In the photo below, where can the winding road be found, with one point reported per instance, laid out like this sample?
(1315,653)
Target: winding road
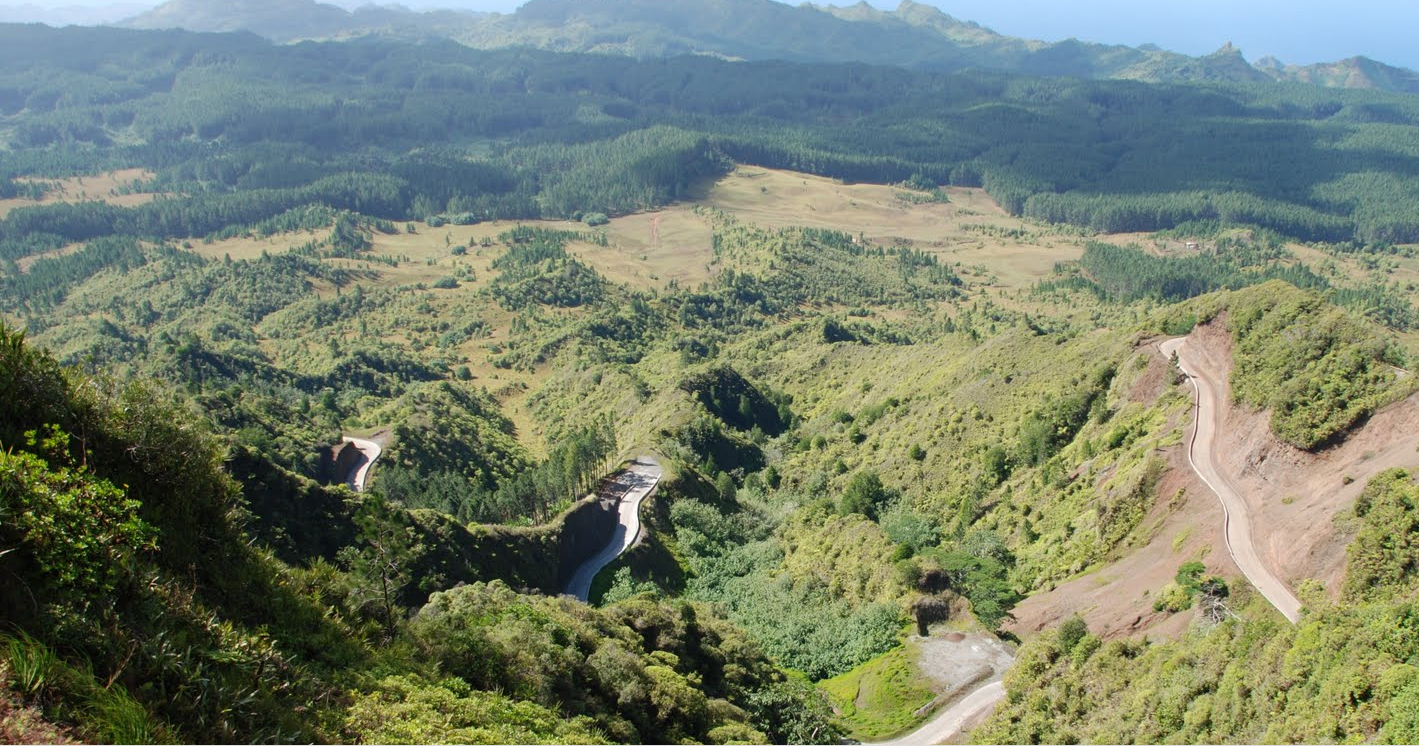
(1236,519)
(360,473)
(954,719)
(1236,523)
(633,485)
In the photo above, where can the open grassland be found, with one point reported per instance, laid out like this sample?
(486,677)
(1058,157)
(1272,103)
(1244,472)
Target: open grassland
(106,187)
(652,249)
(971,229)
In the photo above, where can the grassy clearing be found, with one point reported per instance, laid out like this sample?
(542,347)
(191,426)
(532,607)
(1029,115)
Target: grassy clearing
(880,698)
(104,187)
(971,229)
(652,249)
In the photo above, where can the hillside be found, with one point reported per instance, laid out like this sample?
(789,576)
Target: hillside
(914,35)
(1356,72)
(896,338)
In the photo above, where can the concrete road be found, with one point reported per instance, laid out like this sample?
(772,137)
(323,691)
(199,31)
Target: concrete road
(1236,519)
(952,721)
(633,485)
(361,472)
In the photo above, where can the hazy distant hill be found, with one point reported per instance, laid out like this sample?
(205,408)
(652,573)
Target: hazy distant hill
(1355,72)
(914,35)
(77,15)
(288,20)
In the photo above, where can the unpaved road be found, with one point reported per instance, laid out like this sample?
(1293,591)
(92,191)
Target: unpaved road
(974,707)
(361,472)
(1236,519)
(633,485)
(952,721)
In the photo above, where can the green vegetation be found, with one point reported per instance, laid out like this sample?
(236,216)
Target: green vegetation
(1344,673)
(1317,369)
(1111,156)
(863,433)
(202,636)
(805,617)
(1130,274)
(879,698)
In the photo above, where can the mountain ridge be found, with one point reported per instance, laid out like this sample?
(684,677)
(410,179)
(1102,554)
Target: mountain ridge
(914,35)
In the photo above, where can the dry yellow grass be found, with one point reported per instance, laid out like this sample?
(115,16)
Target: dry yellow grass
(650,249)
(100,187)
(24,263)
(972,229)
(244,248)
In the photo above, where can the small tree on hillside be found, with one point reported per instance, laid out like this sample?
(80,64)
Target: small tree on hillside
(863,495)
(380,562)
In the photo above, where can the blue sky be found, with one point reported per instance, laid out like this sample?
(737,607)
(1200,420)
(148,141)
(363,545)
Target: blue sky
(1297,31)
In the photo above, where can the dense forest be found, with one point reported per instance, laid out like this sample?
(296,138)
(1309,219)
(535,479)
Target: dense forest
(238,131)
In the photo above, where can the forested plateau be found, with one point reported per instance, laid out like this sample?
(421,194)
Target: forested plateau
(890,333)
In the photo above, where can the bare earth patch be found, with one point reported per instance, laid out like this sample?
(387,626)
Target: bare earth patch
(1295,495)
(1117,599)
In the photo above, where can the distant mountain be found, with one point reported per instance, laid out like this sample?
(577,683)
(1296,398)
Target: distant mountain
(71,15)
(289,20)
(914,35)
(1356,72)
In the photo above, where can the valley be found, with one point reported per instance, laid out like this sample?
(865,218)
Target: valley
(369,390)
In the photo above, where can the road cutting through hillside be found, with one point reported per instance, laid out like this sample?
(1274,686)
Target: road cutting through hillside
(967,711)
(633,485)
(1236,519)
(361,472)
(1209,391)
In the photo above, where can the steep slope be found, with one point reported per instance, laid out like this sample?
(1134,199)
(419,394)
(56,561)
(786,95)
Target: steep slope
(141,610)
(1344,673)
(1296,495)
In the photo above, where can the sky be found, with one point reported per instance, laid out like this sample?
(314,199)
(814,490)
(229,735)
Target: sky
(1296,31)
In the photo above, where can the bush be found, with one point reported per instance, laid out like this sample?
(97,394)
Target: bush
(1071,632)
(863,494)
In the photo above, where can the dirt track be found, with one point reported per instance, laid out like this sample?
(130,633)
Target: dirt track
(1237,528)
